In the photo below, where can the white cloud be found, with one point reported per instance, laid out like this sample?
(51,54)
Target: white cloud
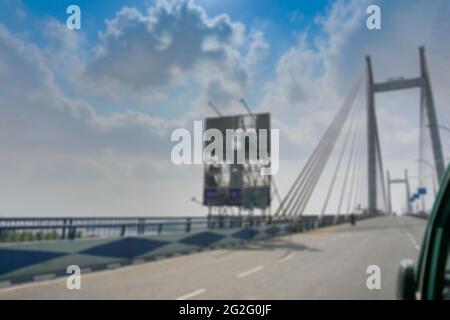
(81,160)
(175,43)
(259,48)
(36,114)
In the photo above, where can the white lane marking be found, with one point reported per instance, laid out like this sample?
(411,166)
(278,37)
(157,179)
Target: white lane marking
(321,243)
(249,272)
(413,241)
(410,236)
(192,294)
(286,258)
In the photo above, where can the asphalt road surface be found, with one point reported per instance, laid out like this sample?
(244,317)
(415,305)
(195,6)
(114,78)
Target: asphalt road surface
(329,263)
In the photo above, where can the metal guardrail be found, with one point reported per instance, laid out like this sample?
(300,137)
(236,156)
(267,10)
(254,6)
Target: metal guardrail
(52,228)
(19,229)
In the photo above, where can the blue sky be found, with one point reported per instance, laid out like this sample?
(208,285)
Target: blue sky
(87,114)
(281,22)
(283,18)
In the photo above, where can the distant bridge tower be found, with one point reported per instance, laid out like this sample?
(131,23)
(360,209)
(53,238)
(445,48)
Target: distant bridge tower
(373,143)
(408,194)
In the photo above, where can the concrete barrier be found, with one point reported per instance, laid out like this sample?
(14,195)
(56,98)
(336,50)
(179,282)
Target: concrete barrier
(26,261)
(21,262)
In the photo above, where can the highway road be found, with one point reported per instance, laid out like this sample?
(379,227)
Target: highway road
(329,263)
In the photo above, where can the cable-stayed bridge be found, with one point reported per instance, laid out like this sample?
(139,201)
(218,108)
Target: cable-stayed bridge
(290,254)
(355,130)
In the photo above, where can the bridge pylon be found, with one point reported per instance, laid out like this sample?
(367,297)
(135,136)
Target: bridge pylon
(374,158)
(404,181)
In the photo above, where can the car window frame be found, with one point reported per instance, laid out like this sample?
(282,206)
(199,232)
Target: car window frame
(433,256)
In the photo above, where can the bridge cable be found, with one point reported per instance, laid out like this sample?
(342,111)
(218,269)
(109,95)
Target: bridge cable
(312,172)
(356,166)
(303,200)
(328,139)
(311,162)
(297,183)
(359,169)
(328,150)
(338,165)
(347,170)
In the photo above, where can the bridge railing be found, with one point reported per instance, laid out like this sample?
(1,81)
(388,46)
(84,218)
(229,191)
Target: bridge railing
(19,229)
(56,228)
